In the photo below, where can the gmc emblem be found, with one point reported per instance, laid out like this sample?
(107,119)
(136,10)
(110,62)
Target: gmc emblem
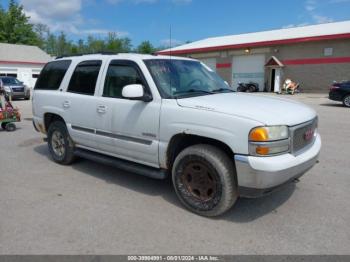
(309,134)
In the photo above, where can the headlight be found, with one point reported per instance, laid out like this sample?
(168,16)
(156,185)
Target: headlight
(269,140)
(7,89)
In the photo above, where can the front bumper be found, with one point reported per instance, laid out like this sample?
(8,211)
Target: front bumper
(258,176)
(335,96)
(16,95)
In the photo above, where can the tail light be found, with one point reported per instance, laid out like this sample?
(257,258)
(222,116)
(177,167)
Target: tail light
(334,87)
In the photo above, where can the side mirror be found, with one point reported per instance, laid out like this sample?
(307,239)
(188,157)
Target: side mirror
(135,92)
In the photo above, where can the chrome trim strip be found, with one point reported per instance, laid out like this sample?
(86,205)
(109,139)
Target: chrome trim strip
(241,158)
(111,135)
(123,137)
(83,129)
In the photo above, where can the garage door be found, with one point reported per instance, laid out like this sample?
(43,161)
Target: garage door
(248,68)
(210,62)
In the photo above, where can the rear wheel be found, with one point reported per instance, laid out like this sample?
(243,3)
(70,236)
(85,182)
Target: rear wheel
(60,144)
(204,180)
(3,125)
(346,101)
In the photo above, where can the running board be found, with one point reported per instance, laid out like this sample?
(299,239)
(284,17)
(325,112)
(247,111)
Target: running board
(122,164)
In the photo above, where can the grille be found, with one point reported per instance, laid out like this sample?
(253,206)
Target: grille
(303,136)
(18,89)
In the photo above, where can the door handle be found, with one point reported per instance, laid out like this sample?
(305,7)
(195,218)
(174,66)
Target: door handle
(66,104)
(101,109)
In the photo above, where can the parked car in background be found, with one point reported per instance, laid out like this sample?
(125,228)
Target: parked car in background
(14,88)
(340,92)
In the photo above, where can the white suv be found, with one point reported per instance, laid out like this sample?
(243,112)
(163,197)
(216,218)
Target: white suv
(160,116)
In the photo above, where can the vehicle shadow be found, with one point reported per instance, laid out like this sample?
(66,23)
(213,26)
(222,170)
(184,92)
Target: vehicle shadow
(333,105)
(245,210)
(249,209)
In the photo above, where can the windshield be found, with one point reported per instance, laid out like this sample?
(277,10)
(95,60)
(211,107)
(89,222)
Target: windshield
(183,78)
(10,81)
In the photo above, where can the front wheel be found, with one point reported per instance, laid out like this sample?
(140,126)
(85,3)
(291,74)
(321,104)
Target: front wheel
(204,179)
(346,101)
(60,144)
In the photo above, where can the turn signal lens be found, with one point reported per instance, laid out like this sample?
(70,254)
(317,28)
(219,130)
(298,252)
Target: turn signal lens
(262,150)
(259,134)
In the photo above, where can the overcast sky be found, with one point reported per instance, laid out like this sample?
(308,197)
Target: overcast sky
(190,19)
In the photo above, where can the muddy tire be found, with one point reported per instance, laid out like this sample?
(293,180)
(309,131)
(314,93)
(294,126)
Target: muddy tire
(205,180)
(60,144)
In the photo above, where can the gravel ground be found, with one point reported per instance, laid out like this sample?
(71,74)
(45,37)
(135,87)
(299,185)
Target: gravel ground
(88,208)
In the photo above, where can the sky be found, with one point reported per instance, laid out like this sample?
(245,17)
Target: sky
(189,20)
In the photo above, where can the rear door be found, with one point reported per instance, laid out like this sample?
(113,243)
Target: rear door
(48,95)
(80,102)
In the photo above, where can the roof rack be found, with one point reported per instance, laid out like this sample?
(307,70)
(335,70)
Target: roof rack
(82,54)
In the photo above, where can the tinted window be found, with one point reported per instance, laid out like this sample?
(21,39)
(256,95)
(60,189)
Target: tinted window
(10,81)
(84,78)
(52,75)
(119,76)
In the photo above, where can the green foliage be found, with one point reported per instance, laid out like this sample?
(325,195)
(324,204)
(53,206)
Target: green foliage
(15,27)
(146,48)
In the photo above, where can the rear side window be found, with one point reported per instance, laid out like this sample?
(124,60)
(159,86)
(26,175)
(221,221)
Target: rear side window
(84,78)
(52,75)
(119,76)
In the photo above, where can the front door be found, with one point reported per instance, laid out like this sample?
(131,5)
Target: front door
(127,128)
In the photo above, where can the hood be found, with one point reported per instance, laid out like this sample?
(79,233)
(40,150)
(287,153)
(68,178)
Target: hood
(264,109)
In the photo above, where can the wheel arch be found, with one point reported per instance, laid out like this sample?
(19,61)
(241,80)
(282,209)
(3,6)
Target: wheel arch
(49,118)
(181,141)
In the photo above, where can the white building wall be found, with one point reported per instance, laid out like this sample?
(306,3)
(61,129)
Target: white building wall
(26,73)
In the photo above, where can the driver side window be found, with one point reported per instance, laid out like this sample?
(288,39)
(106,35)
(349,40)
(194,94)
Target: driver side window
(119,76)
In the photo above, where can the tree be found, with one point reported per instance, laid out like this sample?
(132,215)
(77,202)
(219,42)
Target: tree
(51,44)
(146,48)
(16,28)
(42,31)
(2,19)
(116,44)
(63,46)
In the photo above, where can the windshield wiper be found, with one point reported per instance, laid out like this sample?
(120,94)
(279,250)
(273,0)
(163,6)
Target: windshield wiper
(222,90)
(193,91)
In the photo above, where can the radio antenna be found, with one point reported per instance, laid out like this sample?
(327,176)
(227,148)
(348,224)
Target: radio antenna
(170,43)
(170,40)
